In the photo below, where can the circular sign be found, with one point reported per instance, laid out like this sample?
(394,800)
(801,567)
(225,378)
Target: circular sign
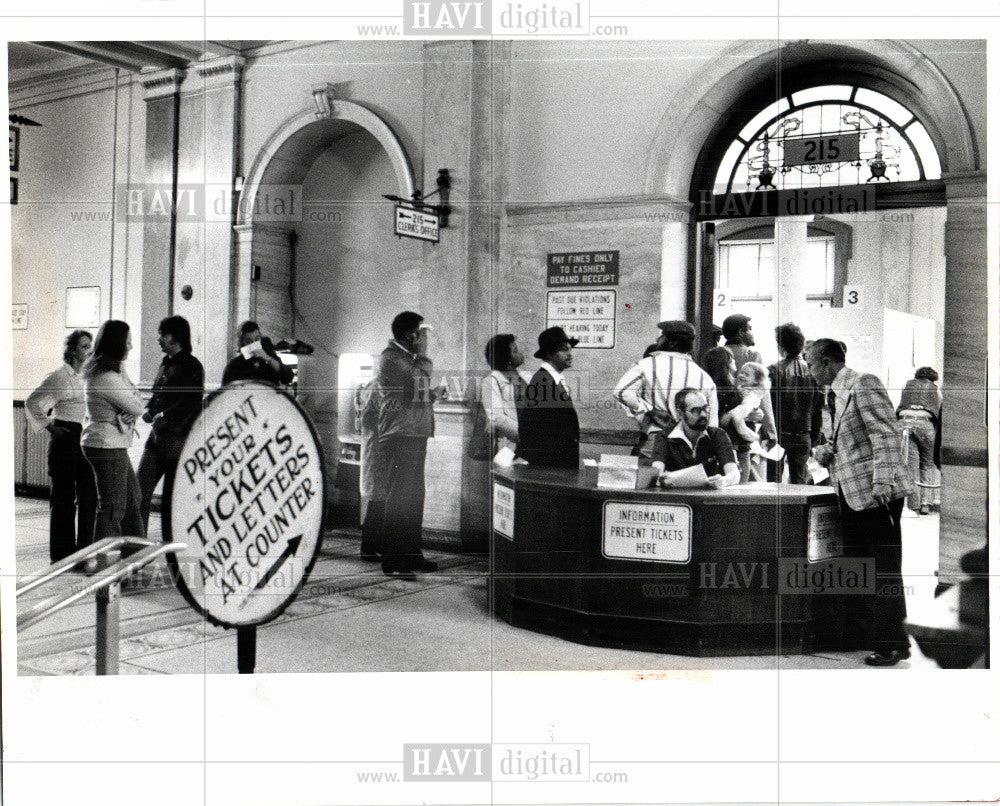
(248,500)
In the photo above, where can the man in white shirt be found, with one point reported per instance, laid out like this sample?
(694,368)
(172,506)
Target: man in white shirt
(57,406)
(648,389)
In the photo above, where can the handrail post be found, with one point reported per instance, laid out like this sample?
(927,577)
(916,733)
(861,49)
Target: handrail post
(108,601)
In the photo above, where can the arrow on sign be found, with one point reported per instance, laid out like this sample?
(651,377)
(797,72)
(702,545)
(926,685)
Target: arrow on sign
(290,549)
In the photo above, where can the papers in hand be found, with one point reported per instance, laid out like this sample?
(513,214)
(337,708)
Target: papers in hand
(693,476)
(816,471)
(775,454)
(504,457)
(252,349)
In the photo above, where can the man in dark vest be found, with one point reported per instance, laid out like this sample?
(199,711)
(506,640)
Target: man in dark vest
(547,423)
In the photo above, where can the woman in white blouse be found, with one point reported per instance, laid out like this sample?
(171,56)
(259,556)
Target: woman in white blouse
(501,389)
(113,404)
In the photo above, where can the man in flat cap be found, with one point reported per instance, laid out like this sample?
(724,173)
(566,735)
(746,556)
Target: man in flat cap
(648,389)
(547,423)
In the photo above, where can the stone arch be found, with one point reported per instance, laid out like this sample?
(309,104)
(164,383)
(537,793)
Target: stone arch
(698,114)
(287,154)
(285,159)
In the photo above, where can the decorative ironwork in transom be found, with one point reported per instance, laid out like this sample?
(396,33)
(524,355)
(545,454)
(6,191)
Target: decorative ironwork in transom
(828,136)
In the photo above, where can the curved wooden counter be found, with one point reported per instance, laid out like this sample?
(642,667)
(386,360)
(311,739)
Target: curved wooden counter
(734,571)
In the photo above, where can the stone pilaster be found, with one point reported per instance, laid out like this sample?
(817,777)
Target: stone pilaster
(161,91)
(964,454)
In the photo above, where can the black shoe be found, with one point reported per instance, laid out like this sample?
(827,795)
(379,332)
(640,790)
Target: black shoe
(887,658)
(409,576)
(426,566)
(371,557)
(925,509)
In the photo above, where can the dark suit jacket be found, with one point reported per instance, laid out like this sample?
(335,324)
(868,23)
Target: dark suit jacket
(548,426)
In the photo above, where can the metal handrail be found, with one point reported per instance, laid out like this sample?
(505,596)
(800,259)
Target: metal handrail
(110,575)
(89,552)
(104,585)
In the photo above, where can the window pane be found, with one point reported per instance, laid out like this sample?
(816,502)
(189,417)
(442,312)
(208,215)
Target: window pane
(818,266)
(829,92)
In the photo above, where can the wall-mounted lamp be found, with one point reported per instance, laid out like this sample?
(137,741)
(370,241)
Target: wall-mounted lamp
(419,201)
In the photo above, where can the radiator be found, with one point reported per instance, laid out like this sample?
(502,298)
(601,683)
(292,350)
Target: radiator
(30,452)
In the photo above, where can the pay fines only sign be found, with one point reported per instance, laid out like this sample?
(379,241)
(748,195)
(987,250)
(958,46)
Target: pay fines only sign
(248,500)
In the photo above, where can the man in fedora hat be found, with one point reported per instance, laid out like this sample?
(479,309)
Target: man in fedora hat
(648,389)
(547,423)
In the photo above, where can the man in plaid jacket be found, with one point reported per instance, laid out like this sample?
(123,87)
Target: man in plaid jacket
(867,471)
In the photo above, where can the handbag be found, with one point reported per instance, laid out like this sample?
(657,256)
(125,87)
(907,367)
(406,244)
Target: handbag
(481,443)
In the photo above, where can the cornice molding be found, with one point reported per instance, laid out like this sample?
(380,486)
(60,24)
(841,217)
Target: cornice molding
(161,83)
(649,210)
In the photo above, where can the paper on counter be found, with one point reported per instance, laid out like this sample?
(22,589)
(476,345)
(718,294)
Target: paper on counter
(619,460)
(693,476)
(617,471)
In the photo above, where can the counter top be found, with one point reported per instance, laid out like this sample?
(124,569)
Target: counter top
(575,483)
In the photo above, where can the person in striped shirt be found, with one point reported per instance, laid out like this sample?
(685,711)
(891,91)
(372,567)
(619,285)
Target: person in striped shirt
(647,390)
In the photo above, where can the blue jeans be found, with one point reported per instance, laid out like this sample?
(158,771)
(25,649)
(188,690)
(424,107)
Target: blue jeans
(117,492)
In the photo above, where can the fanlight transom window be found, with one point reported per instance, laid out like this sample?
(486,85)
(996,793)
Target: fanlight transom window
(828,136)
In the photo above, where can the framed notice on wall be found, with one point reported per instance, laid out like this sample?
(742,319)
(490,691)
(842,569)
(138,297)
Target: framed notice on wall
(19,316)
(587,315)
(83,306)
(14,144)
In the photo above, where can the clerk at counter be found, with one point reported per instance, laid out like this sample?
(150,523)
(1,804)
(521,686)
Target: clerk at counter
(694,442)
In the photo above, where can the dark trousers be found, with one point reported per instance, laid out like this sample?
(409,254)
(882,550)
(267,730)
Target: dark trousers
(404,503)
(875,534)
(73,500)
(371,528)
(797,448)
(159,461)
(118,494)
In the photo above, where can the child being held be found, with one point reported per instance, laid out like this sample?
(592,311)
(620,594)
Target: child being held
(743,420)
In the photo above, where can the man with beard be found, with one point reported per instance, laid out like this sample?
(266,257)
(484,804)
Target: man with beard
(738,331)
(693,441)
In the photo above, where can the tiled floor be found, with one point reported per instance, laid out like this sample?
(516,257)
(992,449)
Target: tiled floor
(350,618)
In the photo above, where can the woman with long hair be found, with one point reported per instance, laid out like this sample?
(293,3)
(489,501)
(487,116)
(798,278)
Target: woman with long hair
(112,407)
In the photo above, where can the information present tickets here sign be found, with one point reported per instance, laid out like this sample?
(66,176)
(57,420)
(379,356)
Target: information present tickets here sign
(248,500)
(659,533)
(825,539)
(503,510)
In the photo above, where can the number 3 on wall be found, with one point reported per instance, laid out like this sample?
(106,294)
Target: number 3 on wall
(852,295)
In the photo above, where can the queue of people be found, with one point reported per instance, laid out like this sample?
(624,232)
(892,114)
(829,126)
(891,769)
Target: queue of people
(90,408)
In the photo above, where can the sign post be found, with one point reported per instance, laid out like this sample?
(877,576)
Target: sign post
(248,500)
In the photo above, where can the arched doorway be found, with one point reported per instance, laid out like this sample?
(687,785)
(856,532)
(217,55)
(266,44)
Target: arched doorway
(698,129)
(317,273)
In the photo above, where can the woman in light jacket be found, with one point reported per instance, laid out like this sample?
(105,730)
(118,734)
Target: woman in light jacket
(112,407)
(500,390)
